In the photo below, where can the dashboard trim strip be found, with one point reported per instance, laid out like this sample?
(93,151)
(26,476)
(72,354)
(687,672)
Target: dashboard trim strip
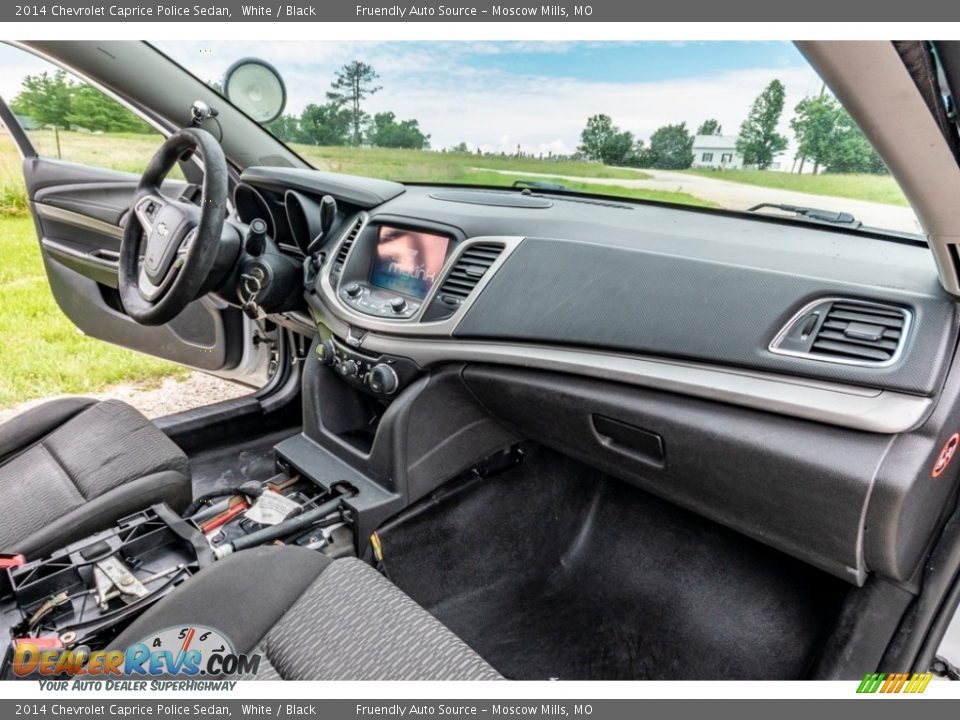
(849,406)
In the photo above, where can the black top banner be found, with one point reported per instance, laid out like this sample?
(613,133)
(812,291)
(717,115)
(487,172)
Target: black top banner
(739,11)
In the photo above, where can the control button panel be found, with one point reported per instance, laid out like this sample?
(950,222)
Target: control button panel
(378,302)
(377,374)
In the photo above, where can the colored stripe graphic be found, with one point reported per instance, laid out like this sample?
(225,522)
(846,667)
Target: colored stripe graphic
(914,683)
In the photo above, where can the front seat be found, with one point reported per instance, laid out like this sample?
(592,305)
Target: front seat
(72,467)
(312,618)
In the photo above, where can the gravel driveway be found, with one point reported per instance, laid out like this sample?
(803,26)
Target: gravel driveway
(169,397)
(740,196)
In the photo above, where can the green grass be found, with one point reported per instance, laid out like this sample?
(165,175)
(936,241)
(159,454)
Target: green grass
(42,353)
(13,195)
(462,168)
(444,167)
(873,188)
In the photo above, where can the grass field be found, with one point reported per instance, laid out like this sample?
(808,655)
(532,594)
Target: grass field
(873,188)
(42,353)
(439,167)
(461,168)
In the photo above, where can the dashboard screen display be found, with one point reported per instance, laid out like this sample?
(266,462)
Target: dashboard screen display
(408,261)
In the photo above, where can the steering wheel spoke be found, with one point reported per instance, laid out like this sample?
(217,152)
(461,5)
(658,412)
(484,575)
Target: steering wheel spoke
(146,209)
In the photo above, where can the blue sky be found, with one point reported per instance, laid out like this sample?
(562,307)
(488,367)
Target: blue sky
(632,62)
(496,95)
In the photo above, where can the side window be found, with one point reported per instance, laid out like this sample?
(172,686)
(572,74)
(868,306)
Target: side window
(66,118)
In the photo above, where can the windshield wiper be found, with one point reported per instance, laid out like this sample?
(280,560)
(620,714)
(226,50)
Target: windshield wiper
(816,214)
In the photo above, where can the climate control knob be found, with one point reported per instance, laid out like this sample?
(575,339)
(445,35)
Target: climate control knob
(353,289)
(383,379)
(349,368)
(398,304)
(326,352)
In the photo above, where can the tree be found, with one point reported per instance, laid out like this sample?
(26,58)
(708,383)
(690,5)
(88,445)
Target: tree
(604,142)
(850,151)
(327,124)
(759,142)
(353,84)
(827,135)
(384,131)
(286,128)
(814,125)
(671,148)
(460,148)
(92,110)
(45,98)
(710,127)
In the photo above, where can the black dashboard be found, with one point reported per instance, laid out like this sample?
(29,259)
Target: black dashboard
(776,317)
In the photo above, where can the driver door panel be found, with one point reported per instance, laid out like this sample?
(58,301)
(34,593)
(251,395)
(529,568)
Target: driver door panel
(79,212)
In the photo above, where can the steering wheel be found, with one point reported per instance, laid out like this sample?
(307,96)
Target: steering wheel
(178,240)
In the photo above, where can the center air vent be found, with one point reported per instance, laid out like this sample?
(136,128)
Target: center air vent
(469,269)
(348,243)
(852,332)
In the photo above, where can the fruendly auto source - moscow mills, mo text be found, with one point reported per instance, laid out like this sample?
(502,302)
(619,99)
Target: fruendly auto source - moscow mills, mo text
(400,12)
(293,10)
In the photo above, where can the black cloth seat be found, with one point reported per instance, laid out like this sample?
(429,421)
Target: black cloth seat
(71,467)
(310,618)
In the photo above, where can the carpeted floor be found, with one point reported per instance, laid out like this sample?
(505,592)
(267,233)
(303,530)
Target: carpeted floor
(554,571)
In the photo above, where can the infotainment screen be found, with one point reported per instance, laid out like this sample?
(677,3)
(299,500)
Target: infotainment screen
(408,261)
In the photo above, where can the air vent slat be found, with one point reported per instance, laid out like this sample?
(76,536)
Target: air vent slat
(347,244)
(470,268)
(890,345)
(851,332)
(865,317)
(871,310)
(851,349)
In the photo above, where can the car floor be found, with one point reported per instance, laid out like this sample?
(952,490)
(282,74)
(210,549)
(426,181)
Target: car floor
(552,570)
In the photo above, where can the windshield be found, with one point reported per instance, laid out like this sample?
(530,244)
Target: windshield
(733,125)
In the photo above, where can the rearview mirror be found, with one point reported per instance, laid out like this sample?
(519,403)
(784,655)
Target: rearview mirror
(255,86)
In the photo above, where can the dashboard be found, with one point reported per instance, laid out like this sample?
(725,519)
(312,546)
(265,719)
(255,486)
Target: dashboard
(746,311)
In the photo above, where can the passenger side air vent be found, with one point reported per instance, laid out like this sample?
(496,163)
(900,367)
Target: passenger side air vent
(348,243)
(463,277)
(851,332)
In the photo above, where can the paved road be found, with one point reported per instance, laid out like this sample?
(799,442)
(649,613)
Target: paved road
(738,196)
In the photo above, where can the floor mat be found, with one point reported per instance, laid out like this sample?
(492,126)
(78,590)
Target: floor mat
(555,571)
(230,466)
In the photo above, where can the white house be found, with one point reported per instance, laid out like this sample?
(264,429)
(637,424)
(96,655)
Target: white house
(718,152)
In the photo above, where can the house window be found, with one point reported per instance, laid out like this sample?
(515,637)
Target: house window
(708,157)
(726,158)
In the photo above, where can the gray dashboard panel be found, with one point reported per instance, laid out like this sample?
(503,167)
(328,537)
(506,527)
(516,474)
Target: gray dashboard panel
(672,282)
(360,191)
(631,299)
